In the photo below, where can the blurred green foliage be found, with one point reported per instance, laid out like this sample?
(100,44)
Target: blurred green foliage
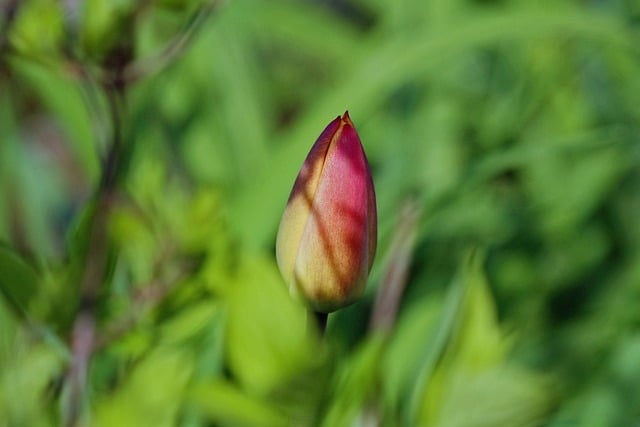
(513,125)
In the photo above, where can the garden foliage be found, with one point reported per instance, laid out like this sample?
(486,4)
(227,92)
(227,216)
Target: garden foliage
(147,150)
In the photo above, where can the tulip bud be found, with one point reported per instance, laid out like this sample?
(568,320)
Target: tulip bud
(328,233)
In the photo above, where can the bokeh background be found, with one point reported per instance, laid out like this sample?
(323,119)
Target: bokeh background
(503,140)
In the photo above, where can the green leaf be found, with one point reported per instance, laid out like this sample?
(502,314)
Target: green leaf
(152,393)
(414,342)
(38,29)
(226,405)
(18,280)
(64,99)
(24,378)
(105,24)
(473,384)
(269,336)
(356,381)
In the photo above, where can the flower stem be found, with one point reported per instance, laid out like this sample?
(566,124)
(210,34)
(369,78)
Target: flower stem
(321,321)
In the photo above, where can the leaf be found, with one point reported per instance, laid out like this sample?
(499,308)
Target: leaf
(24,379)
(413,342)
(269,338)
(64,100)
(226,405)
(152,393)
(105,23)
(39,29)
(434,348)
(18,280)
(8,331)
(473,383)
(357,377)
(192,323)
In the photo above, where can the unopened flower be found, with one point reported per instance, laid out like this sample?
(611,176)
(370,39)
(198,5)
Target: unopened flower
(328,233)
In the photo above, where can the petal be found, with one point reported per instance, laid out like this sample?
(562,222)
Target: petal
(334,255)
(300,201)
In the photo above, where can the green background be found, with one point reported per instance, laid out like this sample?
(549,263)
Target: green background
(507,129)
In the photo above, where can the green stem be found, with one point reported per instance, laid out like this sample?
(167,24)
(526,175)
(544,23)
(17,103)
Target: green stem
(96,262)
(321,321)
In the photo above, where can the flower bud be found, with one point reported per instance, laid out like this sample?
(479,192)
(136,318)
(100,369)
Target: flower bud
(328,233)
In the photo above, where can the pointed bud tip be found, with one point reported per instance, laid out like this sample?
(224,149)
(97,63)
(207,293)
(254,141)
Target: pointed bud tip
(345,118)
(328,233)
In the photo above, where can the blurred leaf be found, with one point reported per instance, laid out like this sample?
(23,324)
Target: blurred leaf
(238,108)
(105,24)
(61,95)
(395,61)
(314,30)
(8,330)
(19,282)
(191,323)
(473,384)
(228,406)
(432,350)
(269,338)
(356,382)
(416,334)
(135,242)
(38,29)
(31,193)
(24,379)
(151,394)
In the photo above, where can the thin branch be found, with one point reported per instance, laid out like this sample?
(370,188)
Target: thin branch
(120,73)
(175,48)
(391,289)
(83,334)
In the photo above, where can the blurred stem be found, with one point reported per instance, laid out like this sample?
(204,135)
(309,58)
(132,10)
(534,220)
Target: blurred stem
(121,71)
(176,47)
(8,10)
(83,335)
(321,321)
(391,289)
